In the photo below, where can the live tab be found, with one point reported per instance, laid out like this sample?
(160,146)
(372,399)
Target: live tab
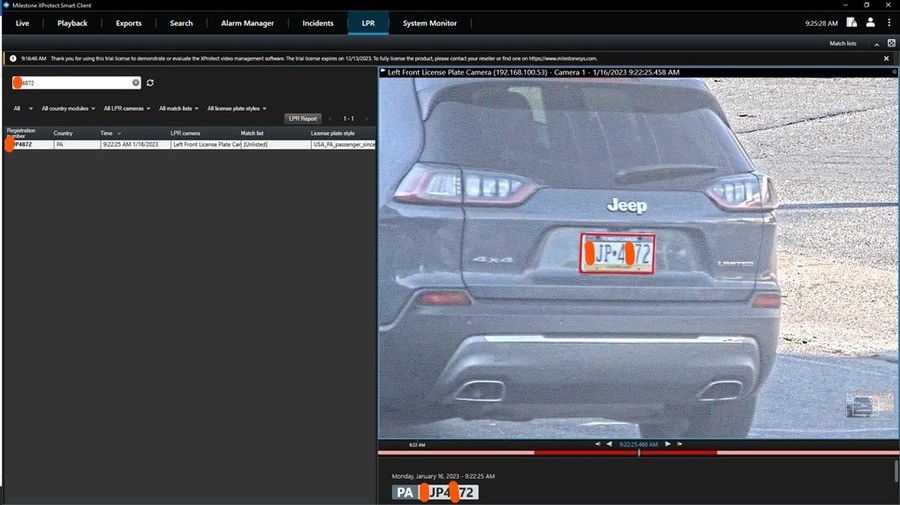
(22,23)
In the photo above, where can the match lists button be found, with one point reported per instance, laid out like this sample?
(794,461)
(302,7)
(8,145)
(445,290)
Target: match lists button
(303,118)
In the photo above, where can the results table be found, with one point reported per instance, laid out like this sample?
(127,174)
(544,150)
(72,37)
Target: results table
(193,144)
(189,138)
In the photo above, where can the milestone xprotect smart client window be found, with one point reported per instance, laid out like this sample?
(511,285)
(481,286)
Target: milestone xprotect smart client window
(394,255)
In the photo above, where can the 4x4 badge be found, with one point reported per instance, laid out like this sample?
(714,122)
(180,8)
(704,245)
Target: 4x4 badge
(486,259)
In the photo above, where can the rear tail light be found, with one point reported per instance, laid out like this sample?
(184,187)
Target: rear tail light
(450,186)
(454,297)
(426,184)
(766,301)
(749,192)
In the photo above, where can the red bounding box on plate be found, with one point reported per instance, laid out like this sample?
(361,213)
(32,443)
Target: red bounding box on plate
(617,253)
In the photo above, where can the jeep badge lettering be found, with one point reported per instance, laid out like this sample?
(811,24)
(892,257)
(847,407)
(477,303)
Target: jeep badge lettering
(623,206)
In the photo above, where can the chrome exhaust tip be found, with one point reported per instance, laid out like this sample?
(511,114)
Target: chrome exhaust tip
(721,390)
(481,391)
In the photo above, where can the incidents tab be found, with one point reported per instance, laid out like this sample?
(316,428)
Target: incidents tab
(319,23)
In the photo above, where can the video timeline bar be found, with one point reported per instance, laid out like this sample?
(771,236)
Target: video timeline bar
(641,453)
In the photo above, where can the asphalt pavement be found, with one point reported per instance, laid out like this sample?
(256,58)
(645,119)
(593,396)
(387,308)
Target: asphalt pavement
(805,397)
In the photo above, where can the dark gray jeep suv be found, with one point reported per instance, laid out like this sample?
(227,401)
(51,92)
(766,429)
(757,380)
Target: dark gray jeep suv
(572,247)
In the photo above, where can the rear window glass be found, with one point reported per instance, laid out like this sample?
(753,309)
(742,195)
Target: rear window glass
(583,135)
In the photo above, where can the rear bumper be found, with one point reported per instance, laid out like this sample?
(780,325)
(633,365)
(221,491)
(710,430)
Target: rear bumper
(538,369)
(574,357)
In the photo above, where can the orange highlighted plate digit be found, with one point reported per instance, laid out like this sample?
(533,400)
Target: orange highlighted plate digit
(589,253)
(17,82)
(629,253)
(453,488)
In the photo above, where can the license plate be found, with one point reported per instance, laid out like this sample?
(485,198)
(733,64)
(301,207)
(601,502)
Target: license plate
(617,253)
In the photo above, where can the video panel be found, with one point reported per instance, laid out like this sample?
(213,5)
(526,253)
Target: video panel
(605,257)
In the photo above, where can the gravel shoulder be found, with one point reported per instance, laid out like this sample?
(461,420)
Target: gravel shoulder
(828,140)
(832,307)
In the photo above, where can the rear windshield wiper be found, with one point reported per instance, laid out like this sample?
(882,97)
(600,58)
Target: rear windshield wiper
(647,173)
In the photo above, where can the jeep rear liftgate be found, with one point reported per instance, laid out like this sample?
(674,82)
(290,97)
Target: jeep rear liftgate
(543,164)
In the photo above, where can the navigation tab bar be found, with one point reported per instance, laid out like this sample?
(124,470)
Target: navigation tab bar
(177,23)
(453,22)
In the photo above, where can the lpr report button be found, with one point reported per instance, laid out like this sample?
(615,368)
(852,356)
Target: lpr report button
(303,118)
